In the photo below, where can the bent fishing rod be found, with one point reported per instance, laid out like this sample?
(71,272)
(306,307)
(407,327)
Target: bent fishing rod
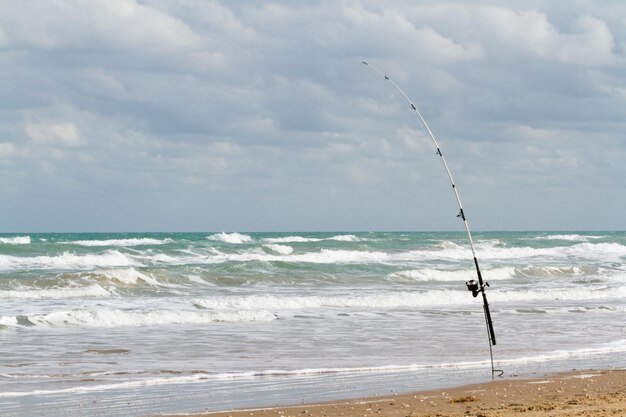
(473,286)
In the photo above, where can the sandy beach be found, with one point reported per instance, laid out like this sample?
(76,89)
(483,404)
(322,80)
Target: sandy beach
(576,393)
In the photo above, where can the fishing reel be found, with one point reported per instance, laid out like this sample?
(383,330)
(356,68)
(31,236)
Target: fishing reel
(476,288)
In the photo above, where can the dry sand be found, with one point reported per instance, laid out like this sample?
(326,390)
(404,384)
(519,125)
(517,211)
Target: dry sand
(586,393)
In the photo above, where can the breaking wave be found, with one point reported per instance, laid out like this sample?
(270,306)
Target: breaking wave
(17,240)
(344,238)
(570,237)
(554,271)
(329,256)
(56,293)
(120,318)
(294,302)
(272,252)
(489,251)
(291,239)
(399,299)
(300,239)
(126,276)
(67,260)
(429,274)
(235,238)
(502,273)
(275,249)
(120,242)
(557,294)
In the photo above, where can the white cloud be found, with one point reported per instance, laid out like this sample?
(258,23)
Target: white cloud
(488,29)
(215,102)
(391,29)
(528,29)
(590,43)
(106,23)
(129,22)
(433,44)
(64,134)
(216,16)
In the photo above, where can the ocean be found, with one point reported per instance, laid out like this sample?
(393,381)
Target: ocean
(131,324)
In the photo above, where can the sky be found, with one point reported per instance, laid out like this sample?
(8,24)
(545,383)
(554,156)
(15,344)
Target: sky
(200,115)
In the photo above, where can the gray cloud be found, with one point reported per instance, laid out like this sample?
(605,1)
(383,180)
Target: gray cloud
(207,115)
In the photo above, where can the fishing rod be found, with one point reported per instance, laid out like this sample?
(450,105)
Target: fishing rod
(472,285)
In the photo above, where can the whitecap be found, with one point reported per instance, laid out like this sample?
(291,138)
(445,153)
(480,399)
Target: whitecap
(120,242)
(447,244)
(235,238)
(278,249)
(302,239)
(324,256)
(583,250)
(329,256)
(344,238)
(17,240)
(127,276)
(67,260)
(291,239)
(569,237)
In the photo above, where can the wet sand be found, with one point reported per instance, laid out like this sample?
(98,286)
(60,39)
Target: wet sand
(576,393)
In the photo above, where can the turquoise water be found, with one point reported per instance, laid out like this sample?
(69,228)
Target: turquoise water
(172,322)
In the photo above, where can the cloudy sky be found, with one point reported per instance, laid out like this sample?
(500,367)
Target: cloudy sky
(194,115)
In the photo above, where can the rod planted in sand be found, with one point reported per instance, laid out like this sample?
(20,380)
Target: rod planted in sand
(475,287)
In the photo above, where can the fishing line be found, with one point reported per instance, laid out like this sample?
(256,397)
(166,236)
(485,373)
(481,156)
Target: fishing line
(475,287)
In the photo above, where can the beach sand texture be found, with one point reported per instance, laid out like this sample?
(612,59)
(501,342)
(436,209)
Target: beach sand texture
(586,393)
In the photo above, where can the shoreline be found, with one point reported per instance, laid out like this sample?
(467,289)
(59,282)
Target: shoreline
(575,393)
